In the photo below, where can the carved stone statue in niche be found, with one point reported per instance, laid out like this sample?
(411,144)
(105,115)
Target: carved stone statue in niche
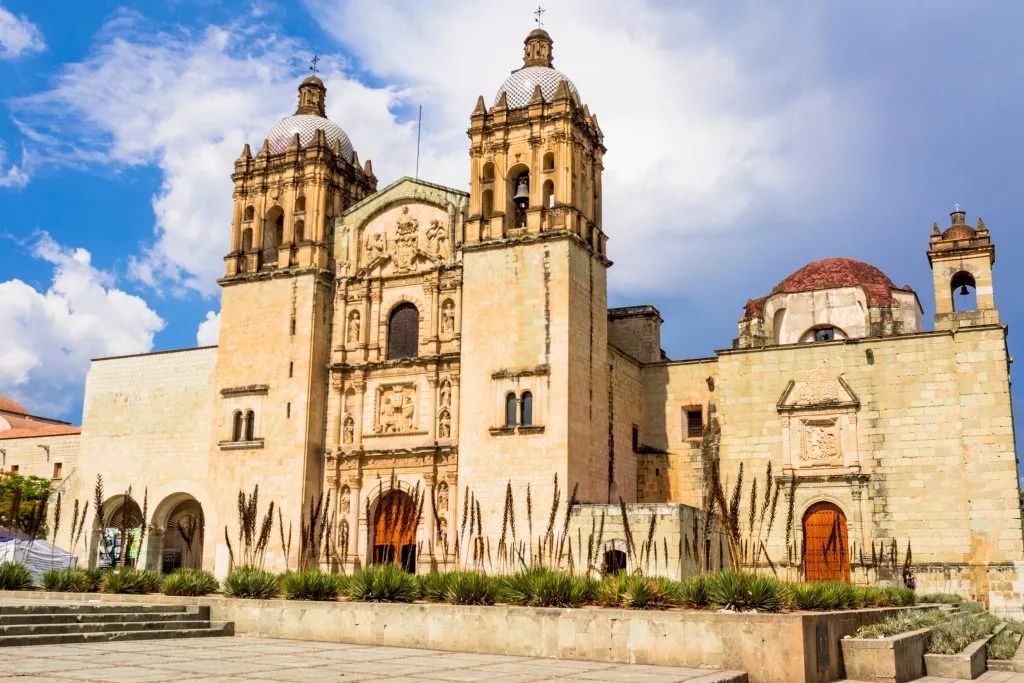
(446,394)
(444,427)
(437,240)
(343,533)
(348,432)
(442,523)
(448,317)
(442,497)
(345,498)
(406,239)
(353,326)
(820,442)
(397,410)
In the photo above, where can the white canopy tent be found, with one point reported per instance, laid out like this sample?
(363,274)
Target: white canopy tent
(38,555)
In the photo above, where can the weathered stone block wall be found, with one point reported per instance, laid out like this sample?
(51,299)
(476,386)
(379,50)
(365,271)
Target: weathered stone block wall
(146,424)
(36,456)
(931,457)
(669,470)
(625,409)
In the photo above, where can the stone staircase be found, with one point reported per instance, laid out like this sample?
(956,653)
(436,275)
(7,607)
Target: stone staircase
(43,623)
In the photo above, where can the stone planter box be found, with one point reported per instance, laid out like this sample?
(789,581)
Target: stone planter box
(966,665)
(771,648)
(895,659)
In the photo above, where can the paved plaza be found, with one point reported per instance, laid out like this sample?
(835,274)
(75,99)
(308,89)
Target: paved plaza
(261,659)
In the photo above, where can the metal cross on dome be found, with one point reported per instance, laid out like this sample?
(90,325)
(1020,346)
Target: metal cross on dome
(312,64)
(538,14)
(956,207)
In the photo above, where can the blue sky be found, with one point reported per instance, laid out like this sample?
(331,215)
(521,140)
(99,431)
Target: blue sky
(744,141)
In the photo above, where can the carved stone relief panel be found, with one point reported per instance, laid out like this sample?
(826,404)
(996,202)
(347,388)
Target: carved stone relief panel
(818,416)
(396,409)
(821,441)
(405,238)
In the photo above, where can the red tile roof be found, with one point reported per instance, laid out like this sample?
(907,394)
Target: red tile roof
(833,273)
(9,405)
(23,425)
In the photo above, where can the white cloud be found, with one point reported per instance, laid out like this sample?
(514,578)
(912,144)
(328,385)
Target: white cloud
(208,333)
(708,123)
(186,103)
(50,336)
(13,175)
(18,35)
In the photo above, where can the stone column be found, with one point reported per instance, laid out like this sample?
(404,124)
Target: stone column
(430,478)
(355,505)
(435,311)
(458,311)
(336,404)
(432,399)
(456,408)
(374,320)
(360,409)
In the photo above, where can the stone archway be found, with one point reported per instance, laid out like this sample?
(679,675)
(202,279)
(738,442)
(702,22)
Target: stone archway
(183,537)
(394,530)
(120,513)
(826,543)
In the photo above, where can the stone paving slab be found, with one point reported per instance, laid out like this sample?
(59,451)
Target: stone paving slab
(268,660)
(987,677)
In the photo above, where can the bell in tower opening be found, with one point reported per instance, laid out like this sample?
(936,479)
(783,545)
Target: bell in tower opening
(521,199)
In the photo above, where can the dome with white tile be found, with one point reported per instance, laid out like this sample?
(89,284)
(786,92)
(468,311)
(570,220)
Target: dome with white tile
(306,125)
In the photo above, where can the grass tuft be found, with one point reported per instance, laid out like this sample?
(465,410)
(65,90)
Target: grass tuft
(190,582)
(313,585)
(126,580)
(254,584)
(73,580)
(15,576)
(383,583)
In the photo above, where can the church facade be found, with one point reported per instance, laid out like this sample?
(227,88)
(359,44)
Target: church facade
(423,342)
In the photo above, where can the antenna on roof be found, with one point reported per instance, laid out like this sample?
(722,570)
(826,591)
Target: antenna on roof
(419,126)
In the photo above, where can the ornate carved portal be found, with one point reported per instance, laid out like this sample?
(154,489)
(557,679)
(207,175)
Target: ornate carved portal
(819,426)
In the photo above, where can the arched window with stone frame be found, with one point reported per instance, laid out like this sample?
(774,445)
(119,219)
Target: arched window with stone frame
(964,291)
(403,332)
(237,425)
(511,408)
(526,409)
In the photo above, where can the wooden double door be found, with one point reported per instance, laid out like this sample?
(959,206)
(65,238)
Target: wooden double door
(826,544)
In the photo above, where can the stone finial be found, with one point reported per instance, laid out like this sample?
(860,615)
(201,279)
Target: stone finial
(355,158)
(368,168)
(265,150)
(336,146)
(981,224)
(246,152)
(502,101)
(562,91)
(296,142)
(480,107)
(935,229)
(538,96)
(538,49)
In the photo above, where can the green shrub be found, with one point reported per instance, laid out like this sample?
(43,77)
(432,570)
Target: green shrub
(313,585)
(726,590)
(901,623)
(253,584)
(473,588)
(765,593)
(939,598)
(836,595)
(72,580)
(434,586)
(133,581)
(190,582)
(903,597)
(1004,645)
(952,636)
(693,592)
(15,576)
(383,583)
(543,587)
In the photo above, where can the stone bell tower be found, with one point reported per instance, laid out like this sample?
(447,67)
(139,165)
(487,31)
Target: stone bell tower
(277,293)
(961,257)
(534,337)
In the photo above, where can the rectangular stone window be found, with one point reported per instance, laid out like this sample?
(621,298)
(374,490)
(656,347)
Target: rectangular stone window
(694,427)
(14,469)
(57,470)
(636,438)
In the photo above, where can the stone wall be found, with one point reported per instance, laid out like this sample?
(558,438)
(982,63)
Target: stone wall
(146,424)
(40,456)
(910,436)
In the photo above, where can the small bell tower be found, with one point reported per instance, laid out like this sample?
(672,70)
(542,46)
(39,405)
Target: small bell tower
(961,257)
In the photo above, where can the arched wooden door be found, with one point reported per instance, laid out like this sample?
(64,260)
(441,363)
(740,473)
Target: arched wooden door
(394,530)
(826,544)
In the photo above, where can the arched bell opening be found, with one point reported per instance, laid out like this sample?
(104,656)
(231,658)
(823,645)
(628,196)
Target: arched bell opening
(518,194)
(964,291)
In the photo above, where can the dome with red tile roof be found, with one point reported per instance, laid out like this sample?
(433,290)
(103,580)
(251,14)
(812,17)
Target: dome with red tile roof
(9,405)
(834,273)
